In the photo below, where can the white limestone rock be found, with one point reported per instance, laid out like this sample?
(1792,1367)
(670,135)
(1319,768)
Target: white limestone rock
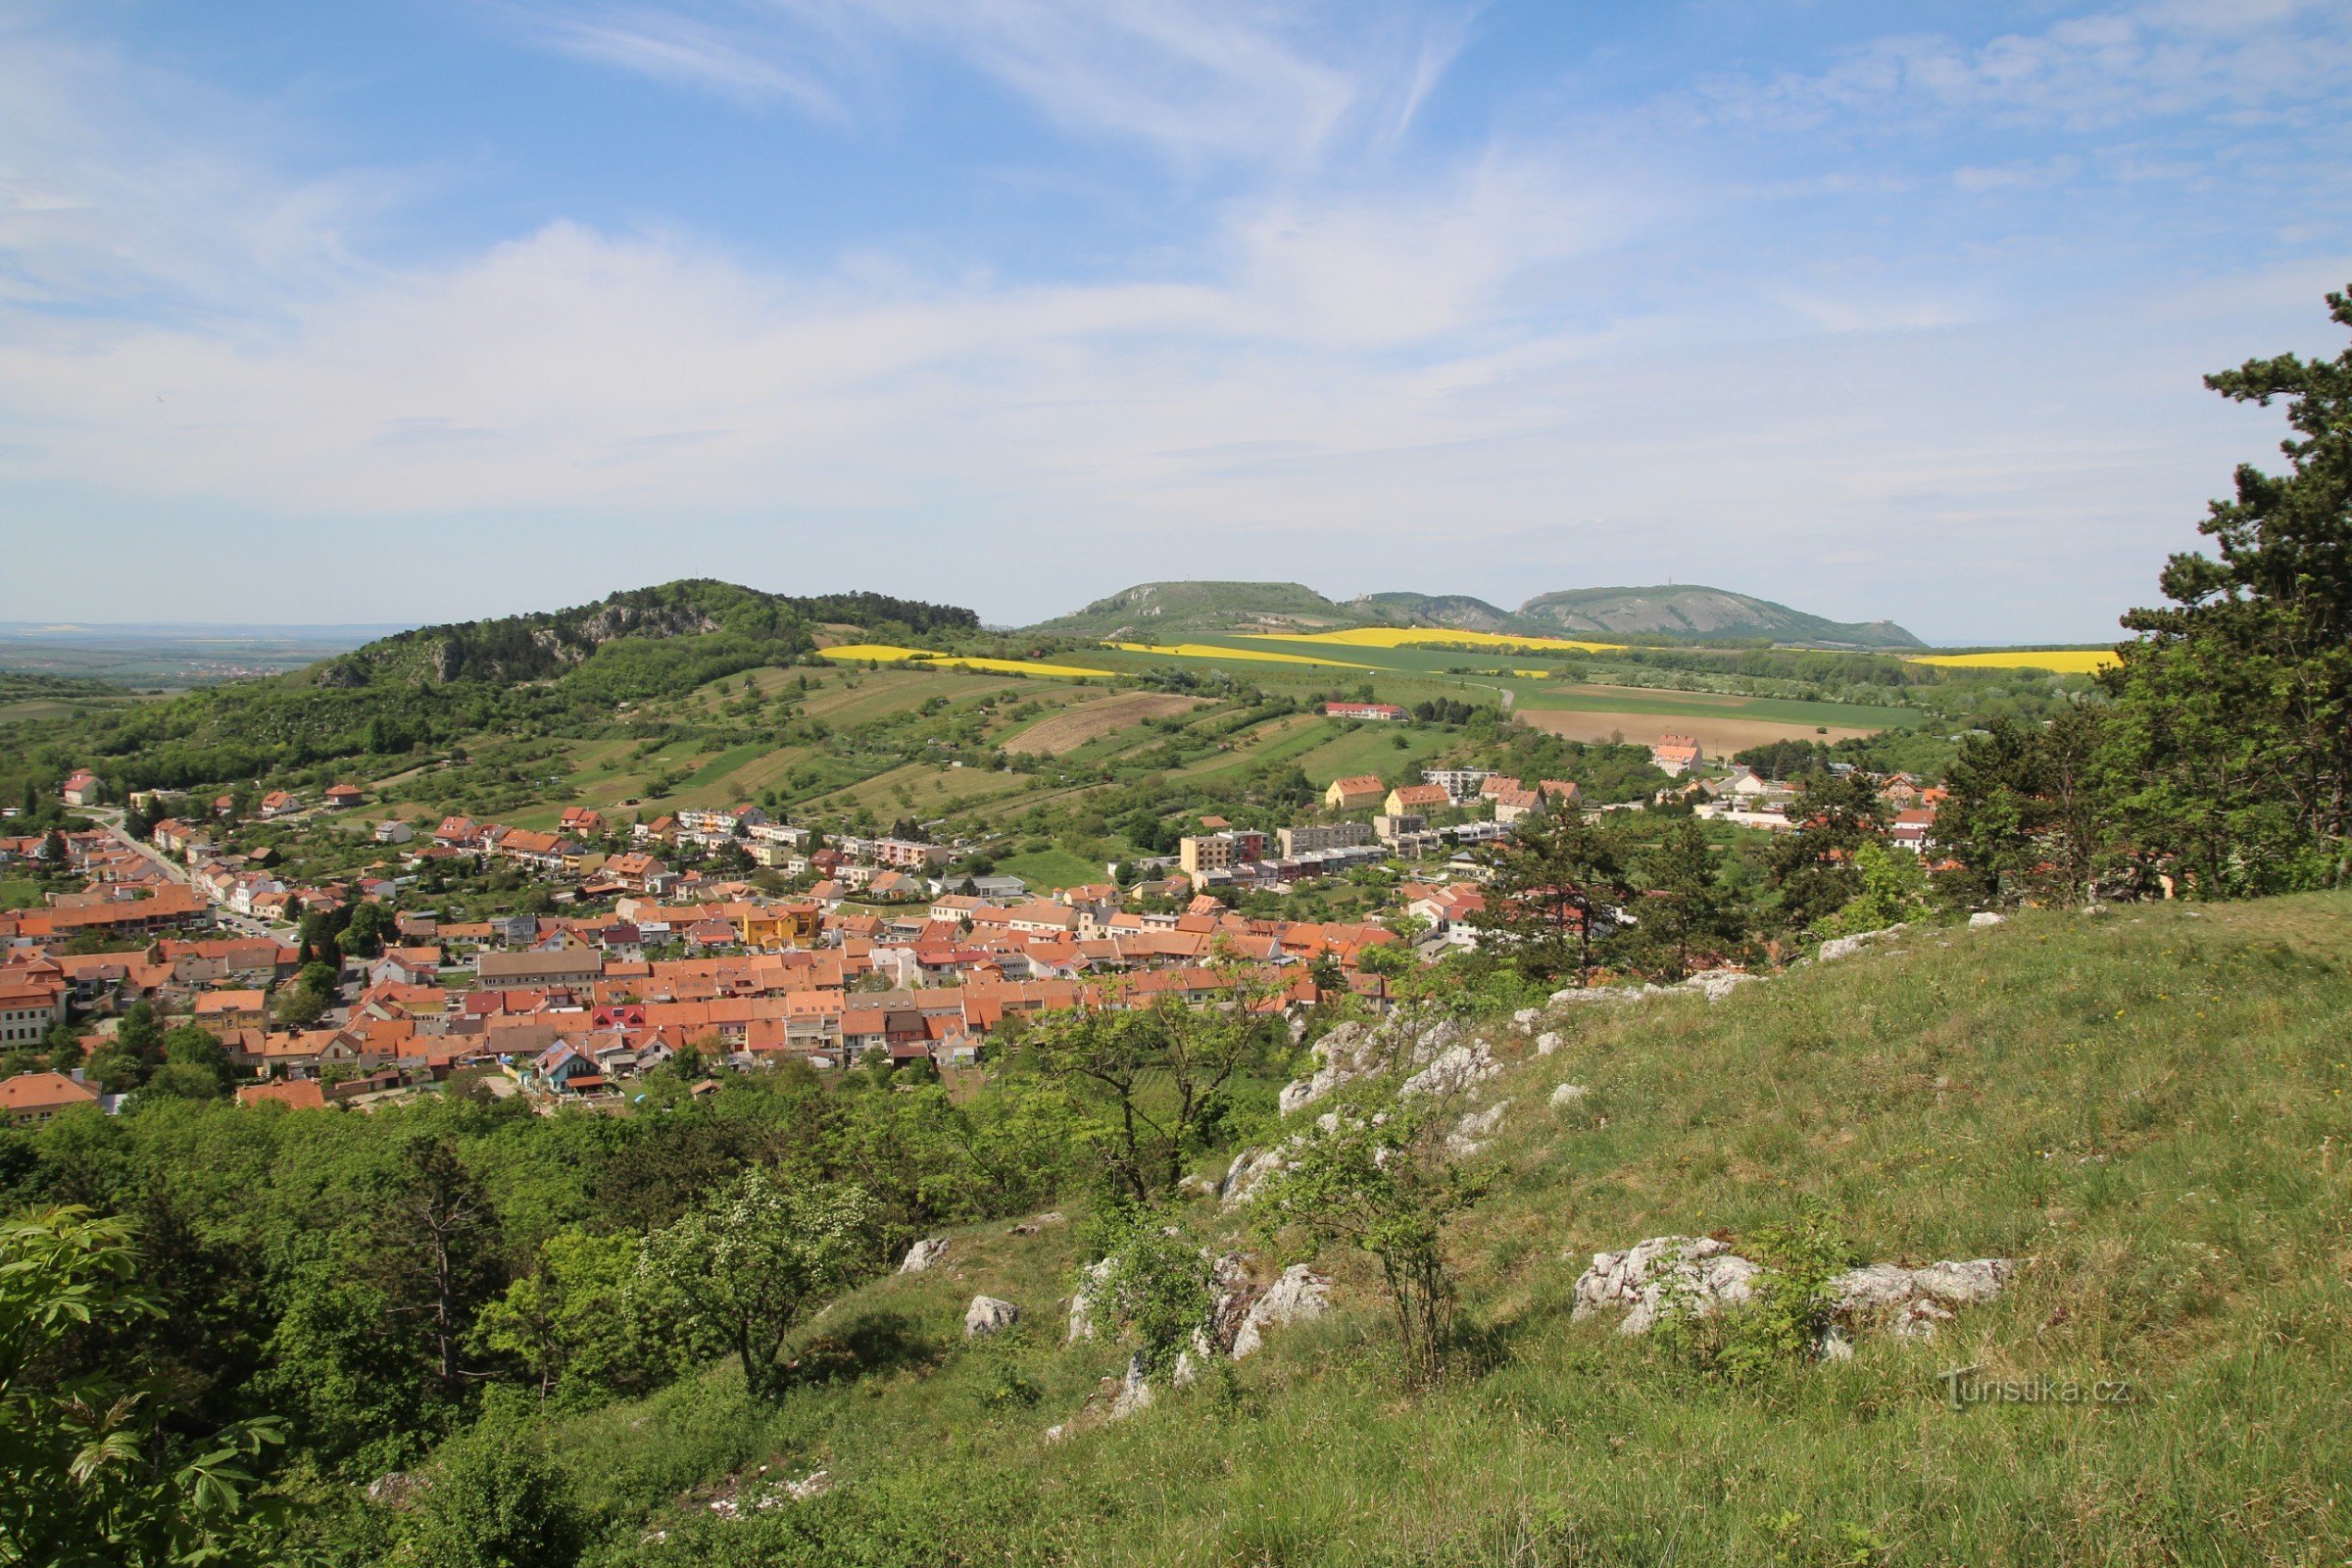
(1696,1274)
(924,1254)
(1135,1391)
(1348,1053)
(1470,1134)
(1703,1276)
(1250,1167)
(1549,1042)
(1082,1305)
(1912,1301)
(986,1316)
(1568,1095)
(1846,947)
(1454,1070)
(1717,983)
(1300,1296)
(1985,917)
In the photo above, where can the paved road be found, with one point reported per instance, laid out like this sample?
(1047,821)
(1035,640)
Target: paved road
(109,817)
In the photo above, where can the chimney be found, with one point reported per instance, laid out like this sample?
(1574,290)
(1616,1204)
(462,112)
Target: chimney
(77,1075)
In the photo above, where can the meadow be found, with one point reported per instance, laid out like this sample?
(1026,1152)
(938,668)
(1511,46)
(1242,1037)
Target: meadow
(2147,1108)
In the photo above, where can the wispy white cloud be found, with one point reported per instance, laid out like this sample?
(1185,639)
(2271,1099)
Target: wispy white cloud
(1197,79)
(2080,72)
(1500,366)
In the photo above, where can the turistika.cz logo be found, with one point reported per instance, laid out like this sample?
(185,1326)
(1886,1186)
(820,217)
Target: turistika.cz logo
(1963,1388)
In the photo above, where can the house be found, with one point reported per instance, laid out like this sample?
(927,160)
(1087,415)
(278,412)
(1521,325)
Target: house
(31,1005)
(83,789)
(1354,793)
(1387,713)
(572,966)
(342,797)
(567,1071)
(392,830)
(1513,803)
(276,804)
(1913,828)
(1407,798)
(581,822)
(220,1010)
(1676,754)
(633,868)
(31,1098)
(545,851)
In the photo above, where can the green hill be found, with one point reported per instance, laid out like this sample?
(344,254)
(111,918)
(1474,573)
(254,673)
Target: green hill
(2148,1110)
(1164,610)
(1458,611)
(1167,611)
(697,616)
(1703,614)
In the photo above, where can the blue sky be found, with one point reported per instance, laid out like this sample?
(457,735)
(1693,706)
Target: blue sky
(431,310)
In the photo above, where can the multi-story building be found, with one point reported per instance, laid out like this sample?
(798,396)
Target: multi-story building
(1458,783)
(1220,851)
(908,854)
(1298,840)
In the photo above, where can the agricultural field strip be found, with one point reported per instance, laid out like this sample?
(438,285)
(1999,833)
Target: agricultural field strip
(1436,636)
(1222,651)
(2057,660)
(891,653)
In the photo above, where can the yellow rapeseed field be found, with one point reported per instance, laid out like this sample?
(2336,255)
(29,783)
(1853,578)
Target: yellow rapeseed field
(1245,655)
(1419,636)
(888,654)
(2058,660)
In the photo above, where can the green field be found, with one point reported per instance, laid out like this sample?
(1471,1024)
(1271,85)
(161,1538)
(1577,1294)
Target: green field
(1047,869)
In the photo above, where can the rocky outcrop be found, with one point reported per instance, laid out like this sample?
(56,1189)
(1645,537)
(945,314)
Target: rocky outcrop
(1135,1391)
(1470,1134)
(1355,1050)
(1911,1302)
(923,1254)
(986,1316)
(1694,1274)
(1300,1296)
(1249,1168)
(1454,1070)
(1985,917)
(1082,1305)
(1714,985)
(1412,1044)
(1568,1095)
(1700,1275)
(1846,947)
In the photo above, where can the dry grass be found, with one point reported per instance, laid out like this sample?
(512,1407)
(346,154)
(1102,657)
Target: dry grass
(1074,727)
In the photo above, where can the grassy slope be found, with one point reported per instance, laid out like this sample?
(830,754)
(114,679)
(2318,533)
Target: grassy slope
(2152,1107)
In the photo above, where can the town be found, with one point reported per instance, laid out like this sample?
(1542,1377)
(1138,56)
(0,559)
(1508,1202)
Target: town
(882,950)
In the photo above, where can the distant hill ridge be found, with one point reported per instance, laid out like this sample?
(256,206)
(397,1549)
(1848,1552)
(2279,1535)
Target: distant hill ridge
(699,619)
(1682,611)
